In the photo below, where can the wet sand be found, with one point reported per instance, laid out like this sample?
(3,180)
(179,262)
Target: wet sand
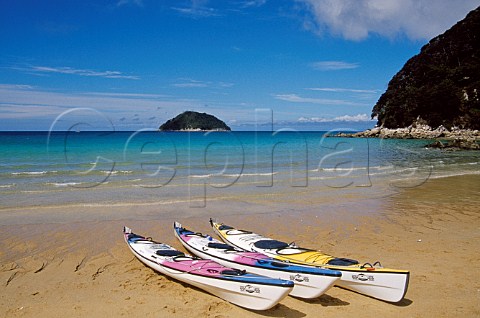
(58,262)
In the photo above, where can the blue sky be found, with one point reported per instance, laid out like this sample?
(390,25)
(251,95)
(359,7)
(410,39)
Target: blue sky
(133,64)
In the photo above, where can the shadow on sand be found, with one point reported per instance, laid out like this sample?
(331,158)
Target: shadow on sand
(280,310)
(403,303)
(326,301)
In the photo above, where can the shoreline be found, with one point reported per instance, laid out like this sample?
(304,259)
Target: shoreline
(83,268)
(454,139)
(416,131)
(125,196)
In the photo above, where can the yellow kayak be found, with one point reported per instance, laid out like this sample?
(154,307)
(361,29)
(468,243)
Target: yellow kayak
(369,279)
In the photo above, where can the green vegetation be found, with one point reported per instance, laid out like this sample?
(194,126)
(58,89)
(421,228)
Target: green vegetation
(194,121)
(441,85)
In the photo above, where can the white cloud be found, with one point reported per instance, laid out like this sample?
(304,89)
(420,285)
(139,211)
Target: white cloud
(333,65)
(23,107)
(343,90)
(197,9)
(225,84)
(355,118)
(81,72)
(15,86)
(254,3)
(192,83)
(25,102)
(344,118)
(357,19)
(121,3)
(128,95)
(294,98)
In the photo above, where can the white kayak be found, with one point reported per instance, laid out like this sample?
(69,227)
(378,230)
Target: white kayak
(310,282)
(242,289)
(371,280)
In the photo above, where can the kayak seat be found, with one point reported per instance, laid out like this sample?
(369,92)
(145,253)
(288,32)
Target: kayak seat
(270,244)
(221,246)
(142,240)
(185,231)
(278,264)
(342,261)
(225,227)
(233,272)
(169,253)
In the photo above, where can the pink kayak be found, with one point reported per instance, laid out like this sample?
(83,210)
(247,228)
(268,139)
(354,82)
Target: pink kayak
(236,286)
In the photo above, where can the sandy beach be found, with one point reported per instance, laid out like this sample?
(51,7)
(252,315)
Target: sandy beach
(58,263)
(246,112)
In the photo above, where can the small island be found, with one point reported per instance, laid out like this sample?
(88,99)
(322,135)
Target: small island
(194,121)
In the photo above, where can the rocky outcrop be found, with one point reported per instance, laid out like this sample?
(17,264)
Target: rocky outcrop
(417,132)
(453,138)
(456,144)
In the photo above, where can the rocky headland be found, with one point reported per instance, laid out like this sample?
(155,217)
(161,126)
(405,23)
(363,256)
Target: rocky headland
(439,87)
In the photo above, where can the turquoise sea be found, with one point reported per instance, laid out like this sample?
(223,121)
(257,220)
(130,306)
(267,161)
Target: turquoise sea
(107,168)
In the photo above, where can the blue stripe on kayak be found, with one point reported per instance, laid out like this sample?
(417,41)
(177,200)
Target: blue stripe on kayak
(299,269)
(252,278)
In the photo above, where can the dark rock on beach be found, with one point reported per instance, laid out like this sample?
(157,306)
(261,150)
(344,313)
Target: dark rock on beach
(456,144)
